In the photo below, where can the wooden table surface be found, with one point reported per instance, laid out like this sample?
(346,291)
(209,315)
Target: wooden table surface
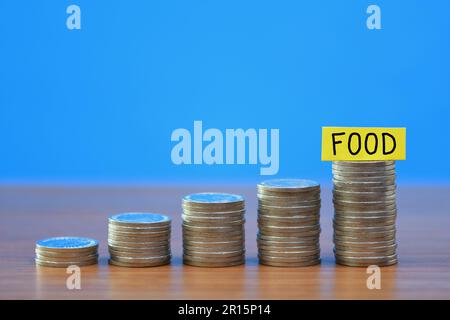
(31,213)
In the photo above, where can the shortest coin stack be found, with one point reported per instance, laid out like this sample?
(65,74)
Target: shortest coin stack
(213,230)
(289,223)
(61,252)
(139,240)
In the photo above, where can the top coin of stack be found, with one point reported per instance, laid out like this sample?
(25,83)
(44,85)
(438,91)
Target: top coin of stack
(66,251)
(289,222)
(365,212)
(139,239)
(213,230)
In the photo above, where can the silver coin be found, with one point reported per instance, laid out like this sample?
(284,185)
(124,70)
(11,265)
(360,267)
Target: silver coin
(211,217)
(213,259)
(129,229)
(264,248)
(364,198)
(220,245)
(208,211)
(295,216)
(289,260)
(357,201)
(213,236)
(143,219)
(214,230)
(290,238)
(362,248)
(290,197)
(214,264)
(213,223)
(289,185)
(363,174)
(131,254)
(363,254)
(364,234)
(347,219)
(155,263)
(353,224)
(65,254)
(57,259)
(365,163)
(383,263)
(336,167)
(65,244)
(366,264)
(363,238)
(285,204)
(139,236)
(288,246)
(368,194)
(366,243)
(306,206)
(237,248)
(363,207)
(345,183)
(142,249)
(272,263)
(46,263)
(349,201)
(140,259)
(363,229)
(274,195)
(344,213)
(364,177)
(287,213)
(288,243)
(138,250)
(148,240)
(141,245)
(304,223)
(373,244)
(313,227)
(373,258)
(212,243)
(289,254)
(209,198)
(214,254)
(288,201)
(302,234)
(353,189)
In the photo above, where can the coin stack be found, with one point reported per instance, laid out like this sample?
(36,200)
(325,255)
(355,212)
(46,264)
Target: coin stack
(289,223)
(213,230)
(139,240)
(66,251)
(364,213)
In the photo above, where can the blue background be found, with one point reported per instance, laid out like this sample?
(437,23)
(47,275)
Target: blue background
(99,104)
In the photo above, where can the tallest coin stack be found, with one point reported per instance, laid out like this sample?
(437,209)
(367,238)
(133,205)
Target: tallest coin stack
(365,212)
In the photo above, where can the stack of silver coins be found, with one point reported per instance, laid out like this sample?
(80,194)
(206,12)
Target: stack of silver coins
(213,230)
(365,212)
(139,240)
(289,223)
(66,251)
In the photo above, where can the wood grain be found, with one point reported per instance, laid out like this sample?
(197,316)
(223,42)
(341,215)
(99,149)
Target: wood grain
(31,213)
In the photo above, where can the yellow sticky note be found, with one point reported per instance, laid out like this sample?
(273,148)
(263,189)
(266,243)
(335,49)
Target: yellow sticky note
(363,144)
